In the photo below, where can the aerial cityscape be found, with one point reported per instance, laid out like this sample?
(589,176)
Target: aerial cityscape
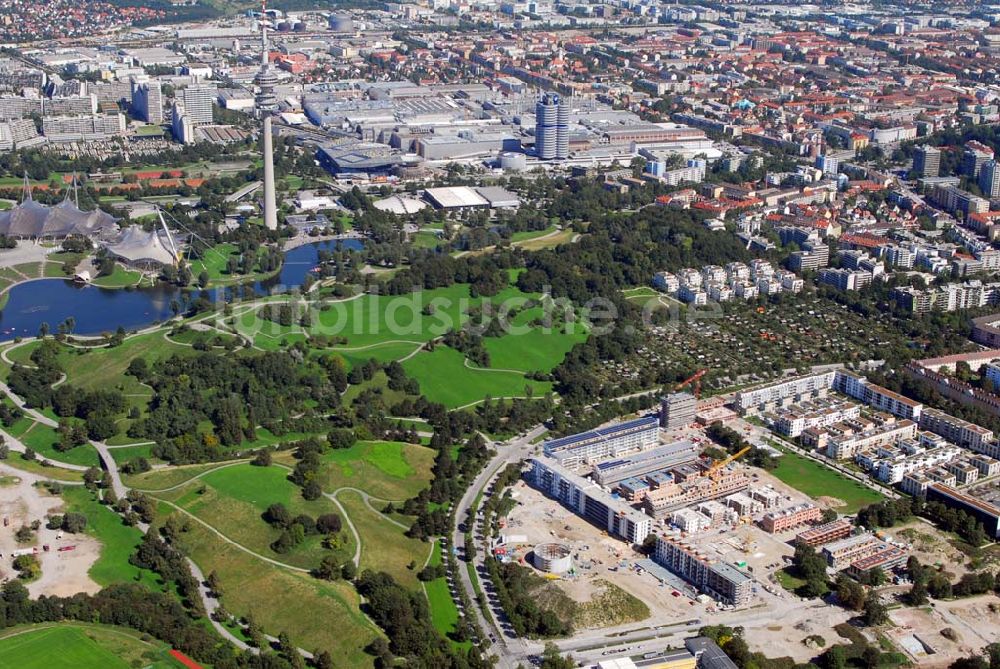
(619,334)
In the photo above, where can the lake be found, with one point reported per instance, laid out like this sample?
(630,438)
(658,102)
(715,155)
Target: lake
(98,310)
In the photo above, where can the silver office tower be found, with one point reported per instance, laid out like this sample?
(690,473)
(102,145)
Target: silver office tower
(551,128)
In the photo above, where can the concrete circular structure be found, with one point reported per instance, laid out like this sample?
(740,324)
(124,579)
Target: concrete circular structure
(553,558)
(513,162)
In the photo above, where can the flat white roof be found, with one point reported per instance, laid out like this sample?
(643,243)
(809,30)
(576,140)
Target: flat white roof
(456,196)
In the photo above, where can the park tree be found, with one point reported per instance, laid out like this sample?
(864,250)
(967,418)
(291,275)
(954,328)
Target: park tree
(850,594)
(328,569)
(875,612)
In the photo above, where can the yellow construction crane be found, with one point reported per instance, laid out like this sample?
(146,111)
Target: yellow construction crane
(722,463)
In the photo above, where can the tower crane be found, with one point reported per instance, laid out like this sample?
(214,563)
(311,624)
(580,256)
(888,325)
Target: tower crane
(695,379)
(717,466)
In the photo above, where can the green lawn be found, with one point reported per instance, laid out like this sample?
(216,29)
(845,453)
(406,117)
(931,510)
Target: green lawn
(118,541)
(531,234)
(378,383)
(384,547)
(119,278)
(21,353)
(314,613)
(36,467)
(816,480)
(641,291)
(378,319)
(213,337)
(444,378)
(382,352)
(214,261)
(102,367)
(531,349)
(384,469)
(126,453)
(232,500)
(161,479)
(42,439)
(444,613)
(538,243)
(79,646)
(426,240)
(392,327)
(30,269)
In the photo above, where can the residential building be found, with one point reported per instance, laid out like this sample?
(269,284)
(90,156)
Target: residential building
(974,156)
(840,554)
(878,397)
(791,518)
(717,579)
(587,499)
(83,128)
(955,430)
(887,559)
(603,443)
(783,393)
(660,458)
(825,533)
(198,100)
(677,410)
(926,162)
(984,512)
(147,101)
(989,178)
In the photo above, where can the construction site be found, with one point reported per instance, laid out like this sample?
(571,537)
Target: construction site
(63,559)
(594,502)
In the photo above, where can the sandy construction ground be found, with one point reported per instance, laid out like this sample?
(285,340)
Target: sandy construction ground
(63,572)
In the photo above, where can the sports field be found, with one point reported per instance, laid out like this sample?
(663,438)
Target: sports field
(817,481)
(75,646)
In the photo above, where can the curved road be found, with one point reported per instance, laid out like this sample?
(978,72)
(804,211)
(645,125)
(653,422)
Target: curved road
(510,650)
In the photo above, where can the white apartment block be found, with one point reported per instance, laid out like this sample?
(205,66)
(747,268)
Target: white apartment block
(761,269)
(891,465)
(666,282)
(692,295)
(877,397)
(790,281)
(955,430)
(713,274)
(737,271)
(783,393)
(847,446)
(793,422)
(746,290)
